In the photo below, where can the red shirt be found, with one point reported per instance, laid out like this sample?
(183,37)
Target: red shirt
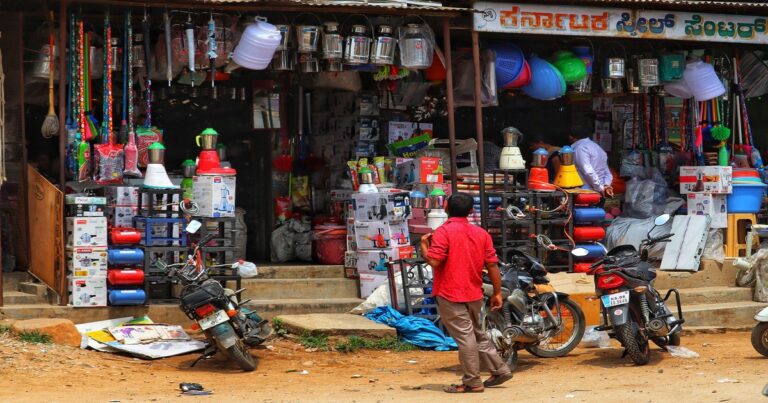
(463,250)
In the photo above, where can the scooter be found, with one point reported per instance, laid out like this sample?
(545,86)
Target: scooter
(760,332)
(633,310)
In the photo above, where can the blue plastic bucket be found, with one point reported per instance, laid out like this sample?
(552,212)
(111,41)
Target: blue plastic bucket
(595,251)
(746,198)
(588,215)
(509,63)
(546,82)
(127,297)
(128,256)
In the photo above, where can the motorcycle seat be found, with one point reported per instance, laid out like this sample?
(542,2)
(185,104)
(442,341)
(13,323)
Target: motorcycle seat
(642,272)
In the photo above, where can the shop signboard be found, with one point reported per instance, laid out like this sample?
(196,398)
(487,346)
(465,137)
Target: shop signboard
(618,22)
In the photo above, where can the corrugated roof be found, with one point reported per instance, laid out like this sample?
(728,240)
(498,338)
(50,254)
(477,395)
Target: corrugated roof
(436,6)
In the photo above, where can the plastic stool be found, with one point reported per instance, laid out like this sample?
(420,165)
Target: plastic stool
(736,234)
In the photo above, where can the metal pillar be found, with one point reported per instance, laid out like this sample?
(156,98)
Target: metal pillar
(479,128)
(449,100)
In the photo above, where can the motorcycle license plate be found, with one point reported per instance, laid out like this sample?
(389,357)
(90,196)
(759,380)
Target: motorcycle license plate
(212,320)
(620,298)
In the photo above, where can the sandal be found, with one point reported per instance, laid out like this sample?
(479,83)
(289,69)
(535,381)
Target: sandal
(497,380)
(463,389)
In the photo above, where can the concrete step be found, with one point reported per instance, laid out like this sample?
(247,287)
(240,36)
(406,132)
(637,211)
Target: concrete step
(11,280)
(33,288)
(170,313)
(300,271)
(710,274)
(726,314)
(300,288)
(18,297)
(711,295)
(336,324)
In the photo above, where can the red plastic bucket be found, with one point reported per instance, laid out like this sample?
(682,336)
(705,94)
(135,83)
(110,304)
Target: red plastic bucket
(522,79)
(330,243)
(125,277)
(588,234)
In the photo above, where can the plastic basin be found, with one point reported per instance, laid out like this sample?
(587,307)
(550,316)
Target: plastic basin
(746,198)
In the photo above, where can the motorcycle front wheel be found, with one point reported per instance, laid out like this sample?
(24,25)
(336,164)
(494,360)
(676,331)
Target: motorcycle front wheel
(565,339)
(637,346)
(760,338)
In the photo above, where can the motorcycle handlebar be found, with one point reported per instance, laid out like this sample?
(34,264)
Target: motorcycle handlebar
(661,238)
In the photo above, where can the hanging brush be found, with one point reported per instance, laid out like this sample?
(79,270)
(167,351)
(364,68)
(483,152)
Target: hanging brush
(719,132)
(51,122)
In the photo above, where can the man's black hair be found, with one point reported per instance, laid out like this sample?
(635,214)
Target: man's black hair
(581,132)
(460,205)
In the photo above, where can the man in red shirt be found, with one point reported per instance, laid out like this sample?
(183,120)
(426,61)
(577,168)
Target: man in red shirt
(458,252)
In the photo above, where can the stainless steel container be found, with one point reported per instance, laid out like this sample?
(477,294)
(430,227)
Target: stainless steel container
(117,55)
(41,66)
(632,83)
(383,46)
(308,63)
(187,169)
(285,33)
(138,51)
(333,42)
(614,67)
(307,37)
(611,85)
(156,155)
(334,65)
(357,47)
(648,72)
(284,60)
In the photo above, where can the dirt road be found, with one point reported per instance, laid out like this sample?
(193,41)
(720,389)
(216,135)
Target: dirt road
(728,370)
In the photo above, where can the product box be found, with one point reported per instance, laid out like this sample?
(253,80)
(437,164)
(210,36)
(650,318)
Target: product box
(87,262)
(87,232)
(419,170)
(123,195)
(370,282)
(341,194)
(88,291)
(215,195)
(715,179)
(713,205)
(121,216)
(381,235)
(384,206)
(375,261)
(85,206)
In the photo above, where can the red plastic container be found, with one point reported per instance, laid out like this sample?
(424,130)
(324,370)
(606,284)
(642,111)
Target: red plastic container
(581,267)
(125,236)
(330,243)
(586,199)
(588,234)
(125,277)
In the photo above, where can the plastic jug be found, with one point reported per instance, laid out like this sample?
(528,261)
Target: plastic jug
(257,45)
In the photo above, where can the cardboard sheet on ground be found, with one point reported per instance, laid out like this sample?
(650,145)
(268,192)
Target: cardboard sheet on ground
(158,349)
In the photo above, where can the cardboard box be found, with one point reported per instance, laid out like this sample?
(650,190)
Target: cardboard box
(88,291)
(121,216)
(370,282)
(713,205)
(123,195)
(381,235)
(87,262)
(215,194)
(87,232)
(85,206)
(375,261)
(389,206)
(419,170)
(715,179)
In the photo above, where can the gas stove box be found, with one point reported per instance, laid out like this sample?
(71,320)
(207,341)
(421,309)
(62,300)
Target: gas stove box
(87,232)
(87,292)
(381,235)
(388,206)
(215,195)
(87,262)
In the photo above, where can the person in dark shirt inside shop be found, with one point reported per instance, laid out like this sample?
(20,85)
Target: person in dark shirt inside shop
(553,152)
(459,252)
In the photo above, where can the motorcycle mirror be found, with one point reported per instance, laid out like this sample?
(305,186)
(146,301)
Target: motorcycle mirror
(661,220)
(579,252)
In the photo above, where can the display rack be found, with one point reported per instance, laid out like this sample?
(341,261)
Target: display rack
(221,249)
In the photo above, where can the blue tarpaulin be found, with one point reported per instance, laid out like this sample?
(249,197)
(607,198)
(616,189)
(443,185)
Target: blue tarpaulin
(417,331)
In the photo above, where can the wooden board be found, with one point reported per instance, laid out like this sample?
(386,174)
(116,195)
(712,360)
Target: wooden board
(45,212)
(684,250)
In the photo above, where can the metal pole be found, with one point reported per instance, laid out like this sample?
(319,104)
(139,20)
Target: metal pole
(24,145)
(62,46)
(479,128)
(449,100)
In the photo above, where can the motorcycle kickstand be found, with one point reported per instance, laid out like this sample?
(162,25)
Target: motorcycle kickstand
(209,352)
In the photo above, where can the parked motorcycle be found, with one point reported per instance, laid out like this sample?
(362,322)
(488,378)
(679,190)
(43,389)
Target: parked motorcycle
(760,332)
(534,316)
(228,325)
(633,310)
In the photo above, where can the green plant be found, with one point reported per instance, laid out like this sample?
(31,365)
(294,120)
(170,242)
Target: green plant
(354,343)
(315,341)
(279,327)
(5,328)
(35,337)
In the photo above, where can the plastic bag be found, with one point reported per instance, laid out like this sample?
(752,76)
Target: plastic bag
(595,339)
(417,331)
(645,197)
(632,164)
(682,352)
(108,163)
(247,269)
(713,249)
(282,244)
(464,79)
(381,296)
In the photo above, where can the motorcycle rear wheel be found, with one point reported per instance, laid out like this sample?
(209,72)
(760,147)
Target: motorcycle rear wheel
(760,338)
(573,321)
(494,320)
(244,359)
(637,348)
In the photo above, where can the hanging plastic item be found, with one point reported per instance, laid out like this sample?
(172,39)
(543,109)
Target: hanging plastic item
(257,46)
(417,44)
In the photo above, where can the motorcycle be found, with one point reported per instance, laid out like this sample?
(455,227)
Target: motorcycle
(229,326)
(633,310)
(534,316)
(760,332)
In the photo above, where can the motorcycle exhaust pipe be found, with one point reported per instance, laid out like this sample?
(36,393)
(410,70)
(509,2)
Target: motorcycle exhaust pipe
(658,327)
(518,334)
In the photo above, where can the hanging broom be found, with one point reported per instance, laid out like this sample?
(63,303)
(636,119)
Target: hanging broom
(51,123)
